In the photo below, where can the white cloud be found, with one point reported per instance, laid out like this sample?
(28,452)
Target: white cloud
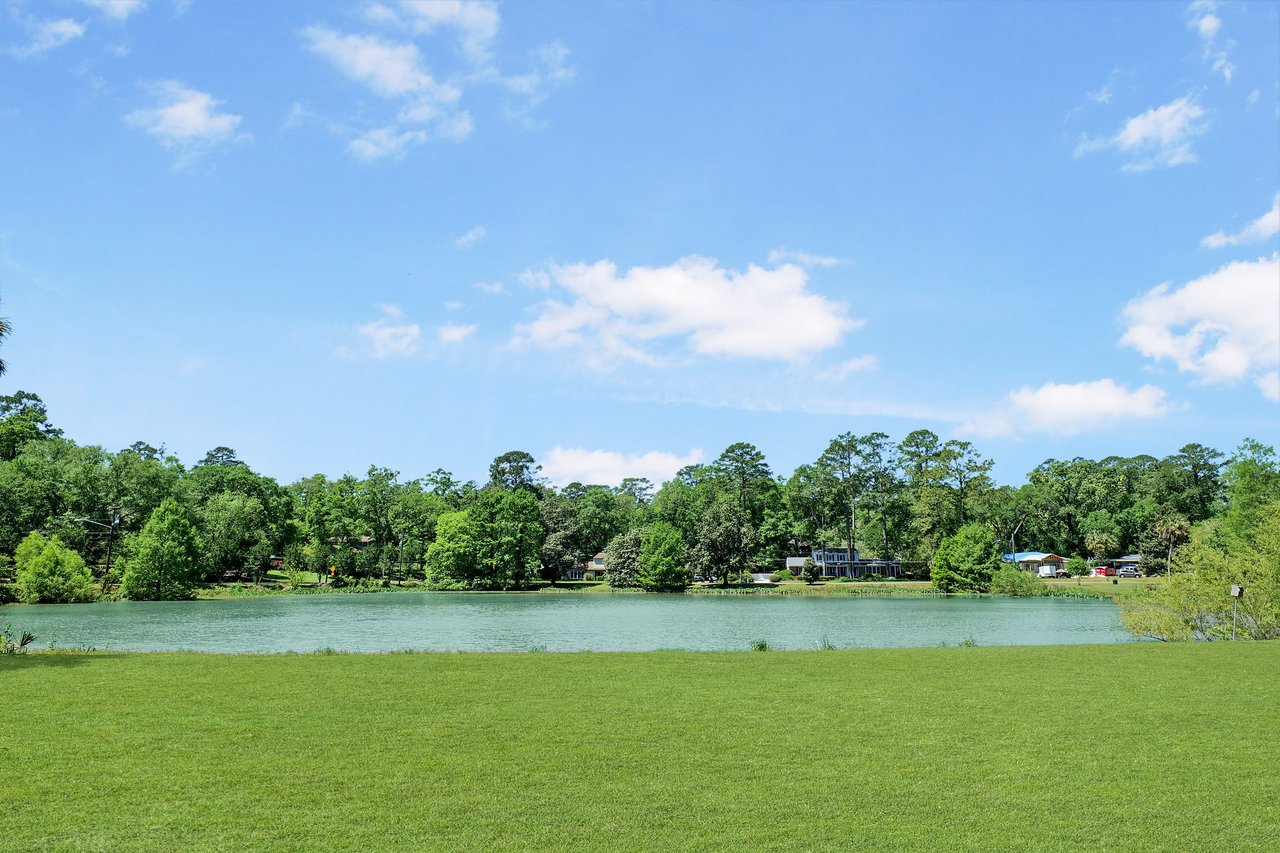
(758,313)
(186,118)
(781,256)
(1223,327)
(47,35)
(388,339)
(493,288)
(1265,226)
(1159,137)
(118,9)
(564,465)
(390,69)
(1068,409)
(466,241)
(1202,17)
(454,333)
(842,371)
(454,305)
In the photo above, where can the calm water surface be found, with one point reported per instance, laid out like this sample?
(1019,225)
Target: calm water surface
(564,622)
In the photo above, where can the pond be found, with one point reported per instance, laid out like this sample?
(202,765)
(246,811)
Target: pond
(564,622)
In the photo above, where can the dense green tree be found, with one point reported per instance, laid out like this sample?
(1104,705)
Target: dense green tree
(639,488)
(724,544)
(1252,478)
(884,488)
(514,469)
(966,561)
(414,515)
(560,547)
(662,560)
(684,500)
(1199,480)
(376,497)
(845,465)
(48,572)
(622,559)
(23,419)
(164,559)
(741,471)
(495,543)
(237,535)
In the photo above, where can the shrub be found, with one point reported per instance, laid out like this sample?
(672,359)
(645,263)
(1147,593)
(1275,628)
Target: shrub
(760,645)
(782,576)
(1011,581)
(50,572)
(811,571)
(1077,567)
(965,562)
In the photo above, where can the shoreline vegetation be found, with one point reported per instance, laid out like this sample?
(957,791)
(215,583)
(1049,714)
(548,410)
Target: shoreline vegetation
(80,523)
(591,751)
(1091,588)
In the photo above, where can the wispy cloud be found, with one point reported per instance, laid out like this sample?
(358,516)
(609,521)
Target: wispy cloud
(426,106)
(848,367)
(1067,409)
(454,333)
(1265,226)
(475,235)
(476,22)
(781,256)
(1161,136)
(389,338)
(1202,16)
(117,9)
(694,307)
(564,465)
(1222,327)
(44,36)
(493,288)
(1104,93)
(186,119)
(392,70)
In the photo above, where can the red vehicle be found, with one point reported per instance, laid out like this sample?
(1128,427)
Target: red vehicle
(1104,572)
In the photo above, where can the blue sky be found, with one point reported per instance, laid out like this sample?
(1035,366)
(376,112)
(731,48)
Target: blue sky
(622,236)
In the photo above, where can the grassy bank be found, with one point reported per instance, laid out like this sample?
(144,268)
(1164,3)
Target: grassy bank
(1147,747)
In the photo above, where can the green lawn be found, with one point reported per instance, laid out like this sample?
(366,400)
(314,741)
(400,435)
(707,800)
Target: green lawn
(1142,747)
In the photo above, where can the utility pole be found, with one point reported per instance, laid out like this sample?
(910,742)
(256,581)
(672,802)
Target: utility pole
(111,537)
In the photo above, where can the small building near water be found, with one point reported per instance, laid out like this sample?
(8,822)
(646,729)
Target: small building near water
(835,563)
(1033,561)
(592,570)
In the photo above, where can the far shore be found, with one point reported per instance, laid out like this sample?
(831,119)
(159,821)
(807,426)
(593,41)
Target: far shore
(1085,587)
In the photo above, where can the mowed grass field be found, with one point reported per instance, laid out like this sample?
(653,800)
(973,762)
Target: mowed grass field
(1139,747)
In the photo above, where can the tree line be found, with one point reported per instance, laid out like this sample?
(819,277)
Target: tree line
(140,521)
